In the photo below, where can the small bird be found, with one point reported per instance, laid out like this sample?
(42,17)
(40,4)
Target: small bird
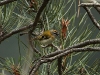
(47,37)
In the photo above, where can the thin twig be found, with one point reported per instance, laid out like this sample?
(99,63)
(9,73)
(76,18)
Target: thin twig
(14,32)
(60,65)
(78,12)
(95,5)
(61,54)
(51,45)
(45,2)
(97,8)
(86,43)
(71,51)
(6,2)
(31,44)
(35,67)
(26,27)
(79,45)
(89,5)
(84,5)
(92,18)
(48,68)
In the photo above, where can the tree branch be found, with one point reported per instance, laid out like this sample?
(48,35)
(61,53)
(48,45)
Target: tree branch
(61,54)
(2,38)
(85,43)
(92,18)
(89,5)
(6,2)
(31,44)
(45,2)
(97,8)
(26,27)
(84,5)
(95,5)
(79,45)
(48,68)
(60,66)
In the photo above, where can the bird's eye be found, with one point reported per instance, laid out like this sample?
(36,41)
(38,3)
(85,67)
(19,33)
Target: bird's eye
(44,37)
(55,32)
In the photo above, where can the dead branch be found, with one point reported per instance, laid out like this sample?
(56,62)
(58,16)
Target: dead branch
(26,27)
(31,44)
(14,32)
(61,54)
(89,5)
(92,18)
(98,9)
(45,2)
(84,5)
(6,2)
(79,45)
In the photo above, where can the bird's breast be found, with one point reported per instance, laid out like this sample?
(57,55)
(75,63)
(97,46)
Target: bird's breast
(47,41)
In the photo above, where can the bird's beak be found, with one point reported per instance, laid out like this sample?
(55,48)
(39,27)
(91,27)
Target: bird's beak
(57,34)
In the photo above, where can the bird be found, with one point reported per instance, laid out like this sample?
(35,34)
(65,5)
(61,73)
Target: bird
(47,37)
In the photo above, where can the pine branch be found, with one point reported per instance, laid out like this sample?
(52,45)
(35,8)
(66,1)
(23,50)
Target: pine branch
(26,27)
(79,45)
(6,2)
(31,44)
(60,66)
(46,59)
(89,5)
(48,68)
(92,18)
(84,5)
(45,2)
(97,8)
(2,38)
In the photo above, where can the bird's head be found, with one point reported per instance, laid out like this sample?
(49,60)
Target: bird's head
(54,32)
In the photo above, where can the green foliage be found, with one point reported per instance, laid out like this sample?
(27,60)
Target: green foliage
(16,15)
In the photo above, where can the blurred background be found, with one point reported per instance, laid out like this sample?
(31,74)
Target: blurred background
(10,47)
